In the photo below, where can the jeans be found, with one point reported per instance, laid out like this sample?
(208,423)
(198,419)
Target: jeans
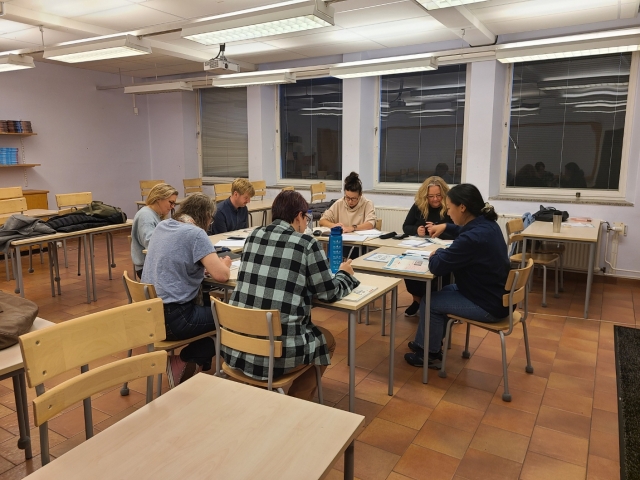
(186,320)
(448,301)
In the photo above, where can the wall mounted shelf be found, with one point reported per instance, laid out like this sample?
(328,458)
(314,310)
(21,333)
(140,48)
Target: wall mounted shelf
(21,165)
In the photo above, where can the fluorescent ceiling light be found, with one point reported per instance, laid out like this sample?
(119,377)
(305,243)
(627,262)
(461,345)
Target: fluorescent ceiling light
(254,78)
(544,50)
(159,88)
(285,17)
(372,68)
(15,62)
(126,46)
(433,4)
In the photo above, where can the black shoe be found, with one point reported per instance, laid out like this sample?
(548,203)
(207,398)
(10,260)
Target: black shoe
(417,360)
(415,348)
(412,310)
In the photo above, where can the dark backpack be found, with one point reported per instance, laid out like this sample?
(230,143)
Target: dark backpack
(545,214)
(113,215)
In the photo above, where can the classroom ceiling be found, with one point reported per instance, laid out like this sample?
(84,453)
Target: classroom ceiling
(360,25)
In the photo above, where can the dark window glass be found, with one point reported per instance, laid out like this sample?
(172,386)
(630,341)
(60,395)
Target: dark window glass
(422,125)
(225,141)
(311,129)
(567,122)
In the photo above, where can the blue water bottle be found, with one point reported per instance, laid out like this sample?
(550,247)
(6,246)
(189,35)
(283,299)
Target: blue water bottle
(335,249)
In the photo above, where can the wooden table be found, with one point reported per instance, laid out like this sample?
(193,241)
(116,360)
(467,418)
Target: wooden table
(11,366)
(35,212)
(353,309)
(587,235)
(377,268)
(209,427)
(243,232)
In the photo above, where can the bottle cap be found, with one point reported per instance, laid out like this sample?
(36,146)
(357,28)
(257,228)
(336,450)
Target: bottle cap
(336,230)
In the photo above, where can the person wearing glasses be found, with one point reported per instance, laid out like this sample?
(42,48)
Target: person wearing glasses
(430,208)
(283,269)
(233,214)
(160,201)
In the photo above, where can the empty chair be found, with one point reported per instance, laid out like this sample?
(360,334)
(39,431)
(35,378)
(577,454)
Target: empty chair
(378,224)
(68,202)
(260,187)
(222,191)
(192,185)
(517,287)
(318,192)
(60,348)
(8,207)
(147,185)
(10,192)
(254,332)
(514,227)
(287,188)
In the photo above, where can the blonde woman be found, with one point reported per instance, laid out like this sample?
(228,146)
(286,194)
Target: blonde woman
(160,201)
(430,208)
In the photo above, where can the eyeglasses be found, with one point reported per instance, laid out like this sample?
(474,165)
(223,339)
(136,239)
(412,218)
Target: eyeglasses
(172,204)
(434,197)
(351,199)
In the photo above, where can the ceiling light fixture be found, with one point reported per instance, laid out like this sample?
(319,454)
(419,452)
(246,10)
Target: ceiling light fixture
(284,17)
(15,62)
(159,88)
(275,77)
(433,4)
(126,46)
(372,68)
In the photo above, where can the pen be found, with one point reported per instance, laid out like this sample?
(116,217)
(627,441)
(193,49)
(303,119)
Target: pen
(350,252)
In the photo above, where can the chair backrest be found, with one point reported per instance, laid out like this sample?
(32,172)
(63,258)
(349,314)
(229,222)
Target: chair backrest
(137,291)
(222,191)
(318,191)
(260,187)
(192,185)
(147,185)
(52,351)
(514,227)
(10,192)
(378,224)
(288,188)
(517,284)
(66,200)
(13,205)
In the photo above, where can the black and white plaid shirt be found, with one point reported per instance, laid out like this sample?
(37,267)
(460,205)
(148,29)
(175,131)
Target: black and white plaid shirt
(282,270)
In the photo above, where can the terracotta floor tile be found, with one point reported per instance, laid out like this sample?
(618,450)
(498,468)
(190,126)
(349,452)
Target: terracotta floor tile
(405,413)
(469,397)
(388,436)
(571,355)
(529,382)
(72,422)
(424,395)
(604,421)
(444,439)
(392,476)
(605,369)
(479,380)
(565,367)
(573,330)
(9,450)
(560,446)
(605,445)
(501,443)
(571,384)
(570,402)
(371,463)
(421,463)
(540,467)
(372,391)
(477,464)
(520,400)
(600,468)
(562,421)
(6,435)
(606,384)
(457,416)
(362,407)
(484,364)
(112,402)
(22,470)
(509,419)
(519,364)
(340,373)
(605,401)
(536,330)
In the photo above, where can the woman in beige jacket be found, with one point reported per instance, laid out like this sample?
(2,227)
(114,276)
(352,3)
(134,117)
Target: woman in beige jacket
(352,213)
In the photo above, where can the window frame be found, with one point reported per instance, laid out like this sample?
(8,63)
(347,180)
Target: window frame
(413,187)
(567,194)
(303,182)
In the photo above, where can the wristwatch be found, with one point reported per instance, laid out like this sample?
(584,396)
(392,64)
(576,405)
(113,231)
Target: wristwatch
(355,227)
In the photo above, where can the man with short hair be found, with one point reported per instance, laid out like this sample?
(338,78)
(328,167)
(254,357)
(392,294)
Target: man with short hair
(233,214)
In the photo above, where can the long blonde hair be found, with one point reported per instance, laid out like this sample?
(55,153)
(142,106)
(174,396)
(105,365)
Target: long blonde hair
(421,197)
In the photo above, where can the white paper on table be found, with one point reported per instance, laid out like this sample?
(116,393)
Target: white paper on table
(235,264)
(417,253)
(439,241)
(230,243)
(413,243)
(578,224)
(352,237)
(374,232)
(379,257)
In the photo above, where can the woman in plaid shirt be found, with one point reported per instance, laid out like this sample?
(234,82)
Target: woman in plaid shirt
(283,269)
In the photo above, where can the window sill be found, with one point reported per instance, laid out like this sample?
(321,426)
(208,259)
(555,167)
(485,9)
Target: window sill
(546,199)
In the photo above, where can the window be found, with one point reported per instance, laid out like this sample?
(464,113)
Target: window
(223,127)
(311,129)
(567,123)
(422,125)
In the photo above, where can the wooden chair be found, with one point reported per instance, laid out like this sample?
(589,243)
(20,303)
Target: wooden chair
(140,292)
(10,192)
(192,185)
(288,188)
(146,186)
(60,348)
(318,191)
(517,287)
(514,227)
(10,206)
(68,202)
(378,224)
(254,332)
(260,187)
(222,191)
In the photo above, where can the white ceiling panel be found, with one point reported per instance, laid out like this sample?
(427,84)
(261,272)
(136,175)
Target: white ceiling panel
(69,8)
(487,12)
(312,39)
(542,22)
(378,14)
(337,48)
(202,8)
(409,38)
(8,44)
(7,26)
(128,18)
(33,36)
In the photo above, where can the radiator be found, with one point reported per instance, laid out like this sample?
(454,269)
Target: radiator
(576,255)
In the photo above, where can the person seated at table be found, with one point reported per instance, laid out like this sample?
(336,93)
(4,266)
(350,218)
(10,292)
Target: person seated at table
(177,256)
(232,213)
(160,201)
(478,259)
(283,269)
(430,208)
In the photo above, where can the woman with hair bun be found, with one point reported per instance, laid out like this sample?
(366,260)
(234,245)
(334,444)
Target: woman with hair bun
(479,261)
(354,212)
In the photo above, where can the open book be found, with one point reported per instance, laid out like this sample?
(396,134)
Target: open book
(321,231)
(359,293)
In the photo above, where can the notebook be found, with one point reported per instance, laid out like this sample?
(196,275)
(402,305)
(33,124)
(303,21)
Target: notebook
(359,293)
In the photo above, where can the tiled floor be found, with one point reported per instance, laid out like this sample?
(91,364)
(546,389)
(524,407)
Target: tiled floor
(561,424)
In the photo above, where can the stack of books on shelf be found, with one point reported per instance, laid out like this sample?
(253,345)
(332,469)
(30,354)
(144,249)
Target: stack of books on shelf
(8,156)
(15,126)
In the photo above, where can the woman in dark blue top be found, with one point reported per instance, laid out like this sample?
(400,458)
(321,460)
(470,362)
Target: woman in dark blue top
(479,261)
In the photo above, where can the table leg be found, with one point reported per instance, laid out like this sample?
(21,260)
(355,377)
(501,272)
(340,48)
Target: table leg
(592,254)
(427,325)
(384,310)
(17,272)
(93,266)
(86,268)
(113,253)
(30,258)
(22,410)
(392,336)
(56,264)
(86,403)
(524,250)
(51,246)
(349,462)
(351,354)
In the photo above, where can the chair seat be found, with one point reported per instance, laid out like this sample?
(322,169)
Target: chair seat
(277,382)
(538,258)
(172,344)
(496,326)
